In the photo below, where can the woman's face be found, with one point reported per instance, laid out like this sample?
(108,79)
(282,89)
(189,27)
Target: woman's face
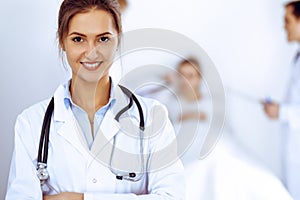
(90,45)
(189,78)
(292,25)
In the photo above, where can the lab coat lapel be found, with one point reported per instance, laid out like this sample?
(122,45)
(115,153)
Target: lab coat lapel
(109,126)
(66,124)
(70,131)
(108,129)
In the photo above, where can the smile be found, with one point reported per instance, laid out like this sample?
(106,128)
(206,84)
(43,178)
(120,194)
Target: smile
(91,66)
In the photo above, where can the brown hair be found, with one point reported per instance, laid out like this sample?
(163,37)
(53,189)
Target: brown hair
(296,8)
(123,5)
(69,8)
(191,61)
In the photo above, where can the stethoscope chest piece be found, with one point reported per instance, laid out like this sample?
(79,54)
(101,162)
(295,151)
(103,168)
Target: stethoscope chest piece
(42,172)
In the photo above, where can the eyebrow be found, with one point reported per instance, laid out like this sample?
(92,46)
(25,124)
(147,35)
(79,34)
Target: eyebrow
(76,33)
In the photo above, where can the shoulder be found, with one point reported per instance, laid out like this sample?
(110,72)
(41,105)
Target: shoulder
(29,121)
(36,109)
(31,118)
(157,123)
(28,127)
(152,106)
(36,112)
(148,105)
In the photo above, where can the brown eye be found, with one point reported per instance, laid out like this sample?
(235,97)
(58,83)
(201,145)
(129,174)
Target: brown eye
(77,39)
(104,39)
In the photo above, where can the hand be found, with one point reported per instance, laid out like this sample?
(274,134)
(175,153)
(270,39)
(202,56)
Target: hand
(271,109)
(64,196)
(201,116)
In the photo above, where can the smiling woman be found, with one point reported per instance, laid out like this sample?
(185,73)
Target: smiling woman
(82,150)
(90,47)
(89,37)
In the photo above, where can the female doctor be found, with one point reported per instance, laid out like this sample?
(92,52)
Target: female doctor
(103,141)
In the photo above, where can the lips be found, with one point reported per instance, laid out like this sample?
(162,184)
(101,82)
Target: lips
(91,66)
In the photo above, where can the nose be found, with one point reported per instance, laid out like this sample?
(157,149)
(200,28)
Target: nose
(92,52)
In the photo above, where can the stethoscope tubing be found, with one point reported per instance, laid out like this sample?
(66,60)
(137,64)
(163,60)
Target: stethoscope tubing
(45,132)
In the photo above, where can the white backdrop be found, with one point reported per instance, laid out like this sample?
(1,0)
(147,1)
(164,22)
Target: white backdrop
(245,40)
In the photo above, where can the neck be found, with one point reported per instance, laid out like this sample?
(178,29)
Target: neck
(90,96)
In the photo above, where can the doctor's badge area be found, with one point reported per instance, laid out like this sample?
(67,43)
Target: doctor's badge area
(142,128)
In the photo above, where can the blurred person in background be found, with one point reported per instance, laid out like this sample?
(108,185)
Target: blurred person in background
(189,107)
(229,172)
(288,112)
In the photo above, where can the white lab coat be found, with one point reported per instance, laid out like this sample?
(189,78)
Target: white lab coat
(75,168)
(289,115)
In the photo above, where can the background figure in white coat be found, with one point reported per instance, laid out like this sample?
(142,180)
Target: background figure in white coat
(90,153)
(288,112)
(229,172)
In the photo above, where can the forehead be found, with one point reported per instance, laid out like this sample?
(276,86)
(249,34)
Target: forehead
(289,12)
(92,22)
(187,67)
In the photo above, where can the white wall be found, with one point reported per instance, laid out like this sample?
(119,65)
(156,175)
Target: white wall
(246,41)
(30,69)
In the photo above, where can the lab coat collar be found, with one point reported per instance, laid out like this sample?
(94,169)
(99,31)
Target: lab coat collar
(65,121)
(60,109)
(108,128)
(61,106)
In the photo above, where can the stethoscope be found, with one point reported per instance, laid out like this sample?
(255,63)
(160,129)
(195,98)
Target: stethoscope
(42,171)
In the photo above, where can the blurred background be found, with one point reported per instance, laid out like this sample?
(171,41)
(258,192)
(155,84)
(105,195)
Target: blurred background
(245,40)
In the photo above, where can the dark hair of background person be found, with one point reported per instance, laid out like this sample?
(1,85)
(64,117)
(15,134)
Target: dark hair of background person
(296,7)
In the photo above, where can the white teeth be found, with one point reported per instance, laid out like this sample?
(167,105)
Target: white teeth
(91,65)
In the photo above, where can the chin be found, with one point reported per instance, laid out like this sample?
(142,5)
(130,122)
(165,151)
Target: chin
(291,39)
